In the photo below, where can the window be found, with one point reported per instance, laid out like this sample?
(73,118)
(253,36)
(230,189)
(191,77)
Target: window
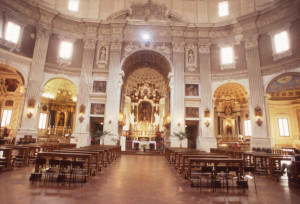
(65,50)
(247,125)
(283,127)
(226,55)
(223,8)
(12,32)
(281,42)
(42,121)
(73,5)
(6,118)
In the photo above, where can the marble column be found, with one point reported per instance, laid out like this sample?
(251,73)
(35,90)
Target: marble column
(114,84)
(81,129)
(207,137)
(260,136)
(36,76)
(177,94)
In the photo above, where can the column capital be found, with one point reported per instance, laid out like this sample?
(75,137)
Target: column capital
(42,32)
(204,46)
(89,43)
(178,47)
(251,41)
(116,45)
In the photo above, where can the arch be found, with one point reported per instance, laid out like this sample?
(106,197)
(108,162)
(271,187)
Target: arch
(57,83)
(55,77)
(231,90)
(151,58)
(284,82)
(15,71)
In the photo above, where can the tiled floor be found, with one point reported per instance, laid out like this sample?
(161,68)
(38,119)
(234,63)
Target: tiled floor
(135,179)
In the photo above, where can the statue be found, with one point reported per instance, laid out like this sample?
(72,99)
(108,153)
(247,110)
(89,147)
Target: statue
(191,57)
(102,55)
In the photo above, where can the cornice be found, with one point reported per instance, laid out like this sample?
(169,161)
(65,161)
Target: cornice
(58,69)
(273,69)
(221,76)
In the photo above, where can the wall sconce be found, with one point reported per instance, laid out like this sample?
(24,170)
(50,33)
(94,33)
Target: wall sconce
(206,116)
(29,115)
(81,118)
(259,122)
(109,121)
(178,124)
(206,123)
(258,115)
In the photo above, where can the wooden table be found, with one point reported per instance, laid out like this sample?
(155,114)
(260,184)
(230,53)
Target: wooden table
(215,162)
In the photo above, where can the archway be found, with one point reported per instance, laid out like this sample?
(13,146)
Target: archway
(145,97)
(11,97)
(57,111)
(231,114)
(284,110)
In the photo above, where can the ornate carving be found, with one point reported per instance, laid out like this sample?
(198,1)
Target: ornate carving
(42,33)
(164,49)
(147,12)
(31,103)
(204,48)
(178,46)
(251,42)
(116,45)
(89,43)
(130,48)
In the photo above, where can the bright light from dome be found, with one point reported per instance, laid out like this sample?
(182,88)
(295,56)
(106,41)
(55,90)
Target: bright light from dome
(146,36)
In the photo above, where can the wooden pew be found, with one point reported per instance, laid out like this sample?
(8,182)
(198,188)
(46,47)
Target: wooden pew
(276,160)
(6,158)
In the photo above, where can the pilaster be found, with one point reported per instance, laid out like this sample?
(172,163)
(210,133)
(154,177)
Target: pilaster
(32,98)
(81,132)
(177,93)
(207,136)
(260,136)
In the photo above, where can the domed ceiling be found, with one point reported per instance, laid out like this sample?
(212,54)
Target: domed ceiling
(143,75)
(55,86)
(231,91)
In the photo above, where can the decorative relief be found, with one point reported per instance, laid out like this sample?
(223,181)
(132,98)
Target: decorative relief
(42,33)
(251,42)
(164,49)
(130,48)
(191,57)
(204,49)
(116,45)
(89,43)
(102,55)
(178,46)
(147,12)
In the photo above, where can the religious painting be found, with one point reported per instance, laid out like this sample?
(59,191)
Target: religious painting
(192,112)
(31,103)
(258,112)
(99,87)
(82,109)
(206,113)
(285,82)
(144,112)
(11,84)
(97,108)
(9,103)
(191,90)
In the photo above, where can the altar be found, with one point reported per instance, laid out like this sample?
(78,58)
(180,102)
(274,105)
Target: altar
(147,143)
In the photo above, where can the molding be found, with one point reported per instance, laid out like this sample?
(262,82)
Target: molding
(274,69)
(222,76)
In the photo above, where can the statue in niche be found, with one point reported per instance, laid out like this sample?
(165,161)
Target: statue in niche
(191,57)
(102,55)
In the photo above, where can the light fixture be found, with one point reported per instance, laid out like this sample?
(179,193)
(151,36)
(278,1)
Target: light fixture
(109,121)
(206,123)
(258,115)
(81,118)
(206,116)
(29,115)
(146,36)
(259,122)
(178,124)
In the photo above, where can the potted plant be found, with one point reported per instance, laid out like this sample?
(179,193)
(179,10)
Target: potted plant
(181,136)
(100,134)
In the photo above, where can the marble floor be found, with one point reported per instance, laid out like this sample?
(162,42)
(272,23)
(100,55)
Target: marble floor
(135,179)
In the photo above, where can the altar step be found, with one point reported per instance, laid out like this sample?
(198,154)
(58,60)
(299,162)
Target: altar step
(147,152)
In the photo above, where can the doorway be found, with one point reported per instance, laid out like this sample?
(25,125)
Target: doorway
(192,130)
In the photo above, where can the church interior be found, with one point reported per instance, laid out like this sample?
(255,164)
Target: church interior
(190,94)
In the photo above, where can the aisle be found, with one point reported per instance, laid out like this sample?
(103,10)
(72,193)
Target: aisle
(134,179)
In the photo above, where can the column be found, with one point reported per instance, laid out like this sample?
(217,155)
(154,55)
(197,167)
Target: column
(207,137)
(260,136)
(177,94)
(32,98)
(81,129)
(114,84)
